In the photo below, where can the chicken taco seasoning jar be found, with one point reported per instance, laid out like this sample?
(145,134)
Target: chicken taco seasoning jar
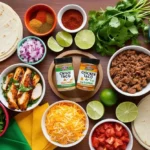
(64,74)
(87,74)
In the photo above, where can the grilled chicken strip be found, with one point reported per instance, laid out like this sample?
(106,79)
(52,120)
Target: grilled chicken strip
(6,82)
(23,100)
(26,80)
(35,80)
(19,73)
(12,97)
(23,97)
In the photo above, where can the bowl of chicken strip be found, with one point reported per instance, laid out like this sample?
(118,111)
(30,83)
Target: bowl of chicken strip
(128,70)
(22,87)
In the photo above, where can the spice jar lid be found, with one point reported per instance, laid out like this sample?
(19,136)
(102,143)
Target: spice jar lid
(63,60)
(90,60)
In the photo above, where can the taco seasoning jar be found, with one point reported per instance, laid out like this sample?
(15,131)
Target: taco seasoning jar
(87,74)
(64,74)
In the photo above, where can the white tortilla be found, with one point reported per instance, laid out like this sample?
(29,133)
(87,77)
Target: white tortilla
(138,139)
(11,31)
(141,126)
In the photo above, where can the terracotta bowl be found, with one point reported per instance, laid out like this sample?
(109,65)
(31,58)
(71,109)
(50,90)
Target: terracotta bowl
(6,119)
(33,9)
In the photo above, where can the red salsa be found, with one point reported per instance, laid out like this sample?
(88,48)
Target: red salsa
(72,19)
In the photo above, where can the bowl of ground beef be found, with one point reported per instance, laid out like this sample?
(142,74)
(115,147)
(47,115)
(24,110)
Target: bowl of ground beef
(128,70)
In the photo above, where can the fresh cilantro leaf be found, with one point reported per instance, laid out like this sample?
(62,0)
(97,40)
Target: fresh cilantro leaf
(24,89)
(133,30)
(4,78)
(131,18)
(114,22)
(31,102)
(2,120)
(12,80)
(92,15)
(33,74)
(135,41)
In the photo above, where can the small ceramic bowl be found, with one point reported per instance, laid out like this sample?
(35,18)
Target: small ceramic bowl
(130,144)
(34,9)
(23,41)
(132,47)
(10,69)
(6,119)
(68,7)
(43,125)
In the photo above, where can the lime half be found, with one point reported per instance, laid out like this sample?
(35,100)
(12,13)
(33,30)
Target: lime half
(64,39)
(53,45)
(95,110)
(85,39)
(127,112)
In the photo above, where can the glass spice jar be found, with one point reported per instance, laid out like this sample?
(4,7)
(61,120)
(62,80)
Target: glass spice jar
(64,74)
(87,74)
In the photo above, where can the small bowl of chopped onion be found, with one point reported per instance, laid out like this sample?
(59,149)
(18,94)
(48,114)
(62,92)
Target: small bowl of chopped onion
(31,50)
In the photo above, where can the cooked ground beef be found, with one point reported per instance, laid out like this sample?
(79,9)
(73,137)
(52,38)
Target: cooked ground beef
(130,71)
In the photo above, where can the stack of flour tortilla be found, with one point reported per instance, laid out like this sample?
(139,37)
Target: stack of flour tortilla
(141,126)
(11,31)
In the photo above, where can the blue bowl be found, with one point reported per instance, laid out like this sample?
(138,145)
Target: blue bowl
(36,38)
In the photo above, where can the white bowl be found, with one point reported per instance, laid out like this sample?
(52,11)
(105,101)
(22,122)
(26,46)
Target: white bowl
(132,47)
(130,144)
(68,7)
(11,68)
(48,136)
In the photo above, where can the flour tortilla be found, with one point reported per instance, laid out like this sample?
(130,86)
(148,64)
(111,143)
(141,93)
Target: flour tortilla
(11,31)
(138,139)
(141,126)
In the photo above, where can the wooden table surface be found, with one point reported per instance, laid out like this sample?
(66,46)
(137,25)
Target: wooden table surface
(20,6)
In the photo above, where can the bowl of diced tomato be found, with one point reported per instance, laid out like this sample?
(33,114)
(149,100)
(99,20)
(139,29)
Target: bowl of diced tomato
(110,134)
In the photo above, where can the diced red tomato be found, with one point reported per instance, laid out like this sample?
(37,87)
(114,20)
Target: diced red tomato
(95,142)
(117,143)
(107,125)
(122,147)
(100,148)
(102,139)
(118,127)
(125,133)
(110,132)
(119,133)
(125,139)
(100,130)
(110,136)
(110,140)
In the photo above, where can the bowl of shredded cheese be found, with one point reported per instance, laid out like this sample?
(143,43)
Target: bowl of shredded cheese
(65,123)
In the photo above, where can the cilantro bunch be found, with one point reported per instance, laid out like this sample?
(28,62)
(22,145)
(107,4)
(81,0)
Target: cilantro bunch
(116,25)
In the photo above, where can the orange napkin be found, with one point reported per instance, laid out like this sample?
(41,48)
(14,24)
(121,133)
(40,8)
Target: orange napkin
(30,124)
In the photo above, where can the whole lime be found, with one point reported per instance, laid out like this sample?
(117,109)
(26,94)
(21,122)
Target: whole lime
(108,97)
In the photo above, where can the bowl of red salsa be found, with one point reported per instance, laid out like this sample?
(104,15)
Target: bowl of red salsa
(110,134)
(72,18)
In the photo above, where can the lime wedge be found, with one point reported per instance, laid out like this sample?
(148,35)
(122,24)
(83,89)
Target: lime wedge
(95,110)
(64,39)
(85,39)
(53,45)
(126,112)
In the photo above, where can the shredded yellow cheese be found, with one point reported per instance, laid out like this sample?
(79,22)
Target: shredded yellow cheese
(65,123)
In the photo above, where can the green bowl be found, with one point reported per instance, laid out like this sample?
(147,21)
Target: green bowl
(36,38)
